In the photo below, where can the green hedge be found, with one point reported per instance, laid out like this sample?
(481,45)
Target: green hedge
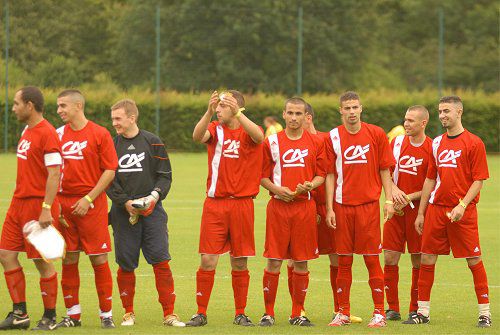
(180,112)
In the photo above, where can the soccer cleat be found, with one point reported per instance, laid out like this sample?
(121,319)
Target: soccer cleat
(339,320)
(68,321)
(243,320)
(128,319)
(415,319)
(266,321)
(392,315)
(173,320)
(377,321)
(107,323)
(15,321)
(46,324)
(301,321)
(484,321)
(197,320)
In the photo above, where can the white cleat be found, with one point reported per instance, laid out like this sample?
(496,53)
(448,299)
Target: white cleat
(173,320)
(128,319)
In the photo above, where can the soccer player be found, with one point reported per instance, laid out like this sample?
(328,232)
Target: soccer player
(234,157)
(293,166)
(144,173)
(447,216)
(89,167)
(359,158)
(326,235)
(411,152)
(38,172)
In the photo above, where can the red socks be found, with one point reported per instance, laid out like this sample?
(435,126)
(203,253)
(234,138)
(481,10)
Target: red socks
(480,282)
(126,287)
(70,283)
(344,281)
(165,287)
(290,282)
(204,285)
(16,284)
(270,288)
(414,290)
(376,282)
(391,279)
(334,270)
(425,281)
(241,280)
(48,288)
(104,285)
(300,284)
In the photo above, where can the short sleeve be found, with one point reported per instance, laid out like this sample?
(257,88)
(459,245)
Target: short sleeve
(107,152)
(52,150)
(330,156)
(321,160)
(431,168)
(479,163)
(386,158)
(267,162)
(212,130)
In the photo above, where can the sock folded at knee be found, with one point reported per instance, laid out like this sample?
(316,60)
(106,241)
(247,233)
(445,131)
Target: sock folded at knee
(165,287)
(240,281)
(126,287)
(204,285)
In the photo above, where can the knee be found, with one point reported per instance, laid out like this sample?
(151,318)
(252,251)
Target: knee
(300,267)
(473,261)
(428,259)
(209,262)
(273,265)
(71,258)
(8,259)
(98,259)
(239,264)
(391,258)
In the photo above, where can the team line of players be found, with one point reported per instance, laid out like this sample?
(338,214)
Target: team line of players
(324,199)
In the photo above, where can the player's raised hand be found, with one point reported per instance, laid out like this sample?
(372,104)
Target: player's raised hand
(230,101)
(81,207)
(457,213)
(419,224)
(212,103)
(399,197)
(45,218)
(285,194)
(330,219)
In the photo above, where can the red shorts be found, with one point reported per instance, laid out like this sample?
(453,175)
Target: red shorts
(440,233)
(400,230)
(358,229)
(20,212)
(291,230)
(88,233)
(227,226)
(326,235)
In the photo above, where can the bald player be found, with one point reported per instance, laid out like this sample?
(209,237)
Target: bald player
(411,153)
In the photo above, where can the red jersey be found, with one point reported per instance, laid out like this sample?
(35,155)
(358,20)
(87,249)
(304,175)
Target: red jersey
(411,163)
(319,193)
(291,162)
(86,153)
(38,148)
(234,160)
(456,162)
(356,161)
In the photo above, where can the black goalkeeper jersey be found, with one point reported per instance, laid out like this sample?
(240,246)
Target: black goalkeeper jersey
(143,166)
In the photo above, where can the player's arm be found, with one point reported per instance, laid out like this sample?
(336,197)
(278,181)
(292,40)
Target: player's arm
(427,188)
(308,186)
(200,132)
(459,210)
(385,176)
(283,192)
(163,171)
(399,197)
(329,188)
(53,179)
(81,207)
(251,128)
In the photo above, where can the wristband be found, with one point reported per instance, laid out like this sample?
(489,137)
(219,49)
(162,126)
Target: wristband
(88,198)
(242,109)
(389,202)
(462,203)
(46,205)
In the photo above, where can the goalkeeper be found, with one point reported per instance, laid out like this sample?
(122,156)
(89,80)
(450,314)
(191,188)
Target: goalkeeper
(137,216)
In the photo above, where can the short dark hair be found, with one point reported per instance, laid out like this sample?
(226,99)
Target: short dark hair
(349,95)
(296,101)
(450,99)
(309,110)
(34,95)
(238,96)
(75,94)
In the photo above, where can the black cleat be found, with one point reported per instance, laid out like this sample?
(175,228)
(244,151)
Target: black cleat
(301,321)
(415,319)
(46,324)
(484,321)
(197,320)
(67,322)
(15,321)
(243,320)
(392,315)
(107,323)
(266,321)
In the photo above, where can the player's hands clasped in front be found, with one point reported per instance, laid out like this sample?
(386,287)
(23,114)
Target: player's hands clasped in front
(304,188)
(457,213)
(388,211)
(130,209)
(285,194)
(399,198)
(212,103)
(330,219)
(45,218)
(419,224)
(81,207)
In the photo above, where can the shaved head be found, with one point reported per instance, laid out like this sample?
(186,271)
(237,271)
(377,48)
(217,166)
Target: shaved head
(74,95)
(421,111)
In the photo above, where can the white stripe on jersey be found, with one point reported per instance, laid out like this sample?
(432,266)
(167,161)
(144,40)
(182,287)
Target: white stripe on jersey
(275,154)
(216,161)
(335,137)
(396,151)
(60,132)
(435,146)
(52,158)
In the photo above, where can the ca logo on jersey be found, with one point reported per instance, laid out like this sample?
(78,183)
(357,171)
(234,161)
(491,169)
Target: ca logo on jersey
(22,149)
(448,158)
(356,154)
(408,164)
(232,150)
(73,150)
(131,162)
(295,157)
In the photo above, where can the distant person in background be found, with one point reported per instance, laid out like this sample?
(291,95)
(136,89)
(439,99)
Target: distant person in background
(396,131)
(272,126)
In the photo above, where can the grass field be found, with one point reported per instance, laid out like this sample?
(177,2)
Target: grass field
(454,307)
